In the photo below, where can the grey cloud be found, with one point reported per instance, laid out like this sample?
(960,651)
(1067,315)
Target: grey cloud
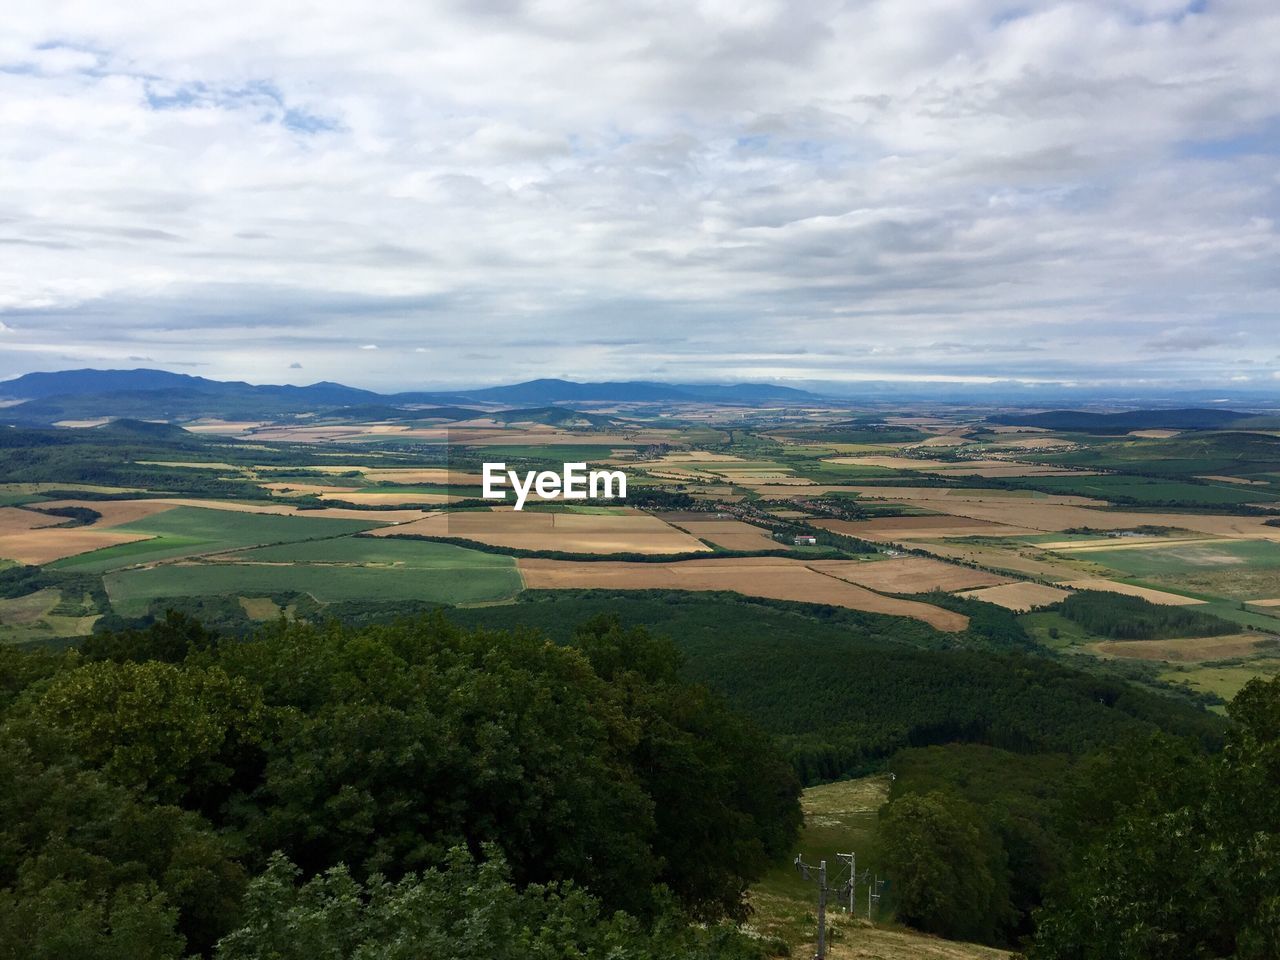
(1074,191)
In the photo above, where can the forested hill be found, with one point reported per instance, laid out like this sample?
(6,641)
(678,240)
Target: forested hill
(1188,419)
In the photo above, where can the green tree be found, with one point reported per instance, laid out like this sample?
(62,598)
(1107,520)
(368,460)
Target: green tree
(947,870)
(84,861)
(175,734)
(467,911)
(1183,869)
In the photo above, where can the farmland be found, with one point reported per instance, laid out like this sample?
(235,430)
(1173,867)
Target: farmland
(349,510)
(346,568)
(854,589)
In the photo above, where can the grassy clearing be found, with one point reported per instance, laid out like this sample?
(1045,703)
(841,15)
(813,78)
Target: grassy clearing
(1042,628)
(184,531)
(1227,680)
(839,818)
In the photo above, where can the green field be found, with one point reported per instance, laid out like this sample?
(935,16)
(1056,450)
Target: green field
(560,453)
(1189,558)
(1200,453)
(184,531)
(364,568)
(1147,490)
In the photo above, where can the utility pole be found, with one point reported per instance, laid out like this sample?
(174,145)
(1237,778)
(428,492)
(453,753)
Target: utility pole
(804,868)
(873,895)
(852,860)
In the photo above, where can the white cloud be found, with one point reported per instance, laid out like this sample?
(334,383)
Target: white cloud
(1053,192)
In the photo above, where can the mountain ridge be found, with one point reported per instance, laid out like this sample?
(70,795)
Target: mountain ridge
(143,393)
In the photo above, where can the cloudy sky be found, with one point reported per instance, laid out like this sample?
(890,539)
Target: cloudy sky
(450,193)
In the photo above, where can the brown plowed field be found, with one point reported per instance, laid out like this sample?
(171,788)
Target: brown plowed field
(776,578)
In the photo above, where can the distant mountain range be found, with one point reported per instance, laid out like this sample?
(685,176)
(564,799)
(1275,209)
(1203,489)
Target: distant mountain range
(1187,419)
(161,395)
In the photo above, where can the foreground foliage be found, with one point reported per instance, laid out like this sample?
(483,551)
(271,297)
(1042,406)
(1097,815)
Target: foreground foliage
(1179,853)
(144,782)
(468,911)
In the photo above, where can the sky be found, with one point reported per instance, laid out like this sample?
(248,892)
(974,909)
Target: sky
(407,195)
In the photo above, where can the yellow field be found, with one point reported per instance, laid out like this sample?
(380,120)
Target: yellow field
(730,534)
(888,529)
(46,545)
(908,574)
(1000,559)
(300,489)
(1049,517)
(1146,593)
(959,468)
(631,532)
(776,578)
(1018,596)
(16,520)
(117,512)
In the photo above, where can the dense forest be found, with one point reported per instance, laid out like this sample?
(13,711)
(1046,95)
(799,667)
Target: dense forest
(159,783)
(1108,614)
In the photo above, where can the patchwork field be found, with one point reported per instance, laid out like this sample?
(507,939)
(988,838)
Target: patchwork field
(630,532)
(40,615)
(187,531)
(908,575)
(888,529)
(776,578)
(36,538)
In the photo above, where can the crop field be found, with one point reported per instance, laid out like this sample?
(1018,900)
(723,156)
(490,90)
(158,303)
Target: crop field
(1193,557)
(776,578)
(346,568)
(30,537)
(1188,650)
(972,495)
(1133,590)
(632,532)
(36,616)
(908,575)
(1018,596)
(730,534)
(1044,516)
(184,531)
(927,527)
(1147,490)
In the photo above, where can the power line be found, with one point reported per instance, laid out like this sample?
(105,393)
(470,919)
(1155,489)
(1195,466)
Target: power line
(804,871)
